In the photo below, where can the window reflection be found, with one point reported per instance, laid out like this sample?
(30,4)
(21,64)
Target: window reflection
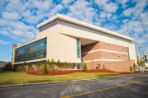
(35,50)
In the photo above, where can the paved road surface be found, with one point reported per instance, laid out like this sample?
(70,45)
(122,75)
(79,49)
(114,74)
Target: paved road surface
(125,86)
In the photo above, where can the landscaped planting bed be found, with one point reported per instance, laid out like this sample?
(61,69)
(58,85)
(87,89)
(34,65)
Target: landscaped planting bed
(69,71)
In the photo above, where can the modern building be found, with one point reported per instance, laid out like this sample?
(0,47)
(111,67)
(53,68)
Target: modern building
(67,39)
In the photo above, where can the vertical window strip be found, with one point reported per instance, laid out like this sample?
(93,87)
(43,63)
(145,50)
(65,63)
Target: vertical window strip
(78,48)
(128,54)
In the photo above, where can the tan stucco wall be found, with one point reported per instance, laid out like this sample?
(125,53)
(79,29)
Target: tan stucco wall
(146,64)
(60,46)
(81,32)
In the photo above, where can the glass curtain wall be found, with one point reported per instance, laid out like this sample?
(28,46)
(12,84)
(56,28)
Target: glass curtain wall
(32,51)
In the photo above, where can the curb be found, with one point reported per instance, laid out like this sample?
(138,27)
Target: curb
(41,83)
(29,84)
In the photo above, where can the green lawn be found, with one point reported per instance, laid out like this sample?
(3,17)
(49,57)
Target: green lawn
(20,77)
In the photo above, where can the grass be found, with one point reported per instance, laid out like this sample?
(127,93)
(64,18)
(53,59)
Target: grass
(7,77)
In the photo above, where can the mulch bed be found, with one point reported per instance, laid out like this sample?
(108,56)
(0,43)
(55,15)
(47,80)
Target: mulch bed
(69,71)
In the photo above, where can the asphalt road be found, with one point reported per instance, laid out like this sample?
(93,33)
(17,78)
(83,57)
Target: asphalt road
(125,86)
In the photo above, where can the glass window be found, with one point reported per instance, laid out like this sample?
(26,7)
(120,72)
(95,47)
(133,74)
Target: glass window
(34,50)
(78,48)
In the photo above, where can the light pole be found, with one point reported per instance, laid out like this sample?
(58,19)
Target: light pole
(139,53)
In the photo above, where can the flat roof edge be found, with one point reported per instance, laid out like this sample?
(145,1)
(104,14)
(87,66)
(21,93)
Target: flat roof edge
(88,25)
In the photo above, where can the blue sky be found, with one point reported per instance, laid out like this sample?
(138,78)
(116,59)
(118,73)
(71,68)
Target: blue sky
(19,18)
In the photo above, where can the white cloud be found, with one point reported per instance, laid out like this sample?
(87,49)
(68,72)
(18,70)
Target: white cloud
(20,25)
(10,15)
(145,49)
(58,7)
(110,7)
(3,22)
(65,2)
(19,33)
(2,2)
(42,9)
(107,6)
(123,1)
(16,9)
(105,15)
(128,12)
(140,41)
(3,42)
(135,29)
(144,19)
(82,10)
(32,19)
(18,30)
(101,2)
(15,6)
(146,36)
(137,9)
(140,5)
(137,26)
(132,26)
(41,4)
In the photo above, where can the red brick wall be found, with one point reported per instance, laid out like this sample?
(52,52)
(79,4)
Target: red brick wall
(117,66)
(113,47)
(88,55)
(103,45)
(104,55)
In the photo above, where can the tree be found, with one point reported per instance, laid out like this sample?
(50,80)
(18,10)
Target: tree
(141,63)
(8,66)
(84,67)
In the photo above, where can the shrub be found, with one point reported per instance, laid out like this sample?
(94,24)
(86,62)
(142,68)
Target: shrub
(65,64)
(49,62)
(53,62)
(8,66)
(132,68)
(29,64)
(45,69)
(58,63)
(134,65)
(103,66)
(39,63)
(84,67)
(141,63)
